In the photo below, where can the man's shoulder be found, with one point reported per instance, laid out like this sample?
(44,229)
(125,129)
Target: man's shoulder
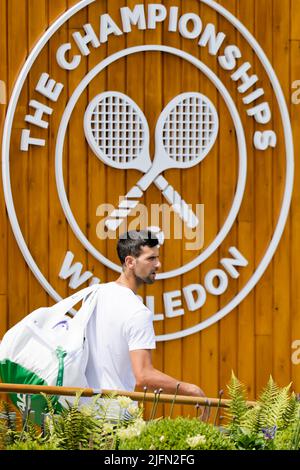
(116,289)
(125,297)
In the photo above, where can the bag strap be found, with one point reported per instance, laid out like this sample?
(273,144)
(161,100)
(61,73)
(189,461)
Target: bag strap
(88,307)
(65,305)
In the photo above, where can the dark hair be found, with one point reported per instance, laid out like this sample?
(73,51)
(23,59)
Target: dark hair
(130,243)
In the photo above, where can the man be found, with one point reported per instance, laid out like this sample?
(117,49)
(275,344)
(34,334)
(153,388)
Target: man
(120,334)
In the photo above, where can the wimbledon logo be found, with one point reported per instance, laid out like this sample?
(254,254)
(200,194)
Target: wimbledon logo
(115,129)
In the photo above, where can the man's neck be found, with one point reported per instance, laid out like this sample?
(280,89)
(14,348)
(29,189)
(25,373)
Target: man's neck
(128,281)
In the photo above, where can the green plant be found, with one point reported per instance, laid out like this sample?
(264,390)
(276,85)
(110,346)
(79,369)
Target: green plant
(174,434)
(295,440)
(76,427)
(246,440)
(289,438)
(29,444)
(275,407)
(238,405)
(271,423)
(88,427)
(7,425)
(3,433)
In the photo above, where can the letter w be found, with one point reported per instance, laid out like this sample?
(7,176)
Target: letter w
(73,271)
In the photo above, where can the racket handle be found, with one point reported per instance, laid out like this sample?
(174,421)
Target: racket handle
(129,202)
(178,204)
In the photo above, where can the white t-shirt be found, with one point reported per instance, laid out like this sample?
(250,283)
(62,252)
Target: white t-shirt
(122,323)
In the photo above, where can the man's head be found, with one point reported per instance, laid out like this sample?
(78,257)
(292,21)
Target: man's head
(138,252)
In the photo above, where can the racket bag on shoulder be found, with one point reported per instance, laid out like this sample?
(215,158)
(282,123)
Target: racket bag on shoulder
(48,347)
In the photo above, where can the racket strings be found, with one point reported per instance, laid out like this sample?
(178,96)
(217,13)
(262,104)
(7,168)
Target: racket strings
(189,130)
(117,129)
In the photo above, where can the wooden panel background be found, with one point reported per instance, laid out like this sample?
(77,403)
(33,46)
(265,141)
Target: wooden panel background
(256,338)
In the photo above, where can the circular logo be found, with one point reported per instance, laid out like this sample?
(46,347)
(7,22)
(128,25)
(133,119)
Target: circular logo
(156,134)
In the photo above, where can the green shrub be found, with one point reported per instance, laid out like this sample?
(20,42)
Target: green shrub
(32,445)
(273,423)
(178,434)
(289,438)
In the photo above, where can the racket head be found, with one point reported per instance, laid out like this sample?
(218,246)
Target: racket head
(117,131)
(186,130)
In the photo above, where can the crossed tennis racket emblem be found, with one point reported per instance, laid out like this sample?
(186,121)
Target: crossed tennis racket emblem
(118,133)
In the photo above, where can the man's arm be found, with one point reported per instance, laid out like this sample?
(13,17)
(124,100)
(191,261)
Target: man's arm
(147,376)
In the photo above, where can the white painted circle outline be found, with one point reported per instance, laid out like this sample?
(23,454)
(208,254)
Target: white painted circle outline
(288,180)
(242,172)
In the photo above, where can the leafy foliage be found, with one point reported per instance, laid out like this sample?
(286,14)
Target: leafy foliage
(273,422)
(77,427)
(275,407)
(7,425)
(238,405)
(290,437)
(29,444)
(295,440)
(245,440)
(88,426)
(177,434)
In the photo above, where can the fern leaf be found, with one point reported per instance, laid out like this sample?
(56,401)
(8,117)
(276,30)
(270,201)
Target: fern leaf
(291,411)
(274,402)
(251,419)
(238,406)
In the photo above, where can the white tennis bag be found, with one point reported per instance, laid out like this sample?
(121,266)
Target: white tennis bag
(49,348)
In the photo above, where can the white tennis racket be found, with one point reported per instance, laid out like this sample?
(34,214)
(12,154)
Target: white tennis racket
(186,131)
(118,133)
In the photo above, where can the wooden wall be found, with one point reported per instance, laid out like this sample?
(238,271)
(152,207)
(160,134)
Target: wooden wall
(255,339)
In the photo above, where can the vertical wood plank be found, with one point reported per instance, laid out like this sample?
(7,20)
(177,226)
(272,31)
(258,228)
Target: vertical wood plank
(3,326)
(295,19)
(172,86)
(116,81)
(38,162)
(246,241)
(264,361)
(4,78)
(263,212)
(227,182)
(295,213)
(190,184)
(3,315)
(58,233)
(281,273)
(209,177)
(153,105)
(97,172)
(77,149)
(17,267)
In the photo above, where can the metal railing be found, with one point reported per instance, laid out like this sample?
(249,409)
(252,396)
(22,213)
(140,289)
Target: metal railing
(137,396)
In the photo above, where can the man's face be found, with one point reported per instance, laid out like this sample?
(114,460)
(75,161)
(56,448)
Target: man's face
(147,264)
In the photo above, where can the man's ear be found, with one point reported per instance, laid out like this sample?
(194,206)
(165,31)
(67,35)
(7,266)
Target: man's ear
(130,262)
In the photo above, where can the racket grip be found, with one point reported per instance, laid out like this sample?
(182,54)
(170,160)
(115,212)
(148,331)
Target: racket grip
(178,204)
(117,216)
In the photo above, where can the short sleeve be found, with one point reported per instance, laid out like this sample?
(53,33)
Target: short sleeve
(139,331)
